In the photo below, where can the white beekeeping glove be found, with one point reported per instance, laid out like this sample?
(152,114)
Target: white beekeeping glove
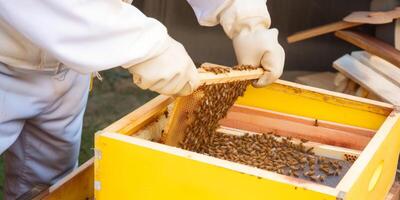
(247,23)
(172,72)
(260,47)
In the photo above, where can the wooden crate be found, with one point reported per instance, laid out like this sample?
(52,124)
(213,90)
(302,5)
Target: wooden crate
(128,167)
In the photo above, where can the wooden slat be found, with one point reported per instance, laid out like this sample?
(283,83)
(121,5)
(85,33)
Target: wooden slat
(321,30)
(373,17)
(352,20)
(386,69)
(258,121)
(302,120)
(397,34)
(368,78)
(139,118)
(371,45)
(234,75)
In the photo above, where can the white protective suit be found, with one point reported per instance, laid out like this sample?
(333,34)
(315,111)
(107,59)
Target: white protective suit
(49,47)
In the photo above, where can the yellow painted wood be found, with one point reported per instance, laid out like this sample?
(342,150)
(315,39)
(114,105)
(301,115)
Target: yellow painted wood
(78,186)
(288,98)
(140,117)
(128,170)
(377,162)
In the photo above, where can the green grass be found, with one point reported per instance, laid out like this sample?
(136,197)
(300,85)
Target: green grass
(109,100)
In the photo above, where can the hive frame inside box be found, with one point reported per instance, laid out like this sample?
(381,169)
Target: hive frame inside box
(374,162)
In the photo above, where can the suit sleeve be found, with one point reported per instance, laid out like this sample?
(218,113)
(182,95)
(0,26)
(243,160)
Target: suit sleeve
(87,35)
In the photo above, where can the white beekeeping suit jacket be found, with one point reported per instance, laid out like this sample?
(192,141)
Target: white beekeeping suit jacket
(94,35)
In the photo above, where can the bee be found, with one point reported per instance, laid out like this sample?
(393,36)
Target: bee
(326,171)
(295,168)
(309,151)
(303,160)
(339,166)
(315,178)
(337,172)
(322,178)
(295,174)
(309,173)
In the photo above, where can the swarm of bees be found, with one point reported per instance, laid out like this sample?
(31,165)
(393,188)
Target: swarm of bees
(216,70)
(265,151)
(212,107)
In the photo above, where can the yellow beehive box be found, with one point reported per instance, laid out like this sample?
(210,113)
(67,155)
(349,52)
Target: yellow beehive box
(129,167)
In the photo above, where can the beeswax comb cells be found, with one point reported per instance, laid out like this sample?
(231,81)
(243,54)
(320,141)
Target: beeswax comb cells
(200,112)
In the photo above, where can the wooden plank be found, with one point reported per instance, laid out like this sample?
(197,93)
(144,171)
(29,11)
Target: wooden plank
(323,135)
(352,20)
(302,120)
(379,65)
(368,78)
(397,34)
(233,75)
(373,17)
(371,45)
(139,118)
(321,30)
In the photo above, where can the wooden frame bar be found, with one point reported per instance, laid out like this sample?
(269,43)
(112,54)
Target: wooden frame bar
(260,120)
(321,30)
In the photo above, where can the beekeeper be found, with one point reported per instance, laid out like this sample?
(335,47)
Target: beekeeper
(48,49)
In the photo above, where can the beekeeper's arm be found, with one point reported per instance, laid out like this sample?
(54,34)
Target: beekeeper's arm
(90,36)
(247,23)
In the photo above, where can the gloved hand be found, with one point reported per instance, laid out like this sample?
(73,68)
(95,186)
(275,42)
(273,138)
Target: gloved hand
(171,73)
(246,22)
(260,47)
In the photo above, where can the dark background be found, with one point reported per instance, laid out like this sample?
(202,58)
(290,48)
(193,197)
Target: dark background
(209,44)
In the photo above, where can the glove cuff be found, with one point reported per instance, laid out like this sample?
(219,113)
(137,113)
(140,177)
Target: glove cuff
(244,15)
